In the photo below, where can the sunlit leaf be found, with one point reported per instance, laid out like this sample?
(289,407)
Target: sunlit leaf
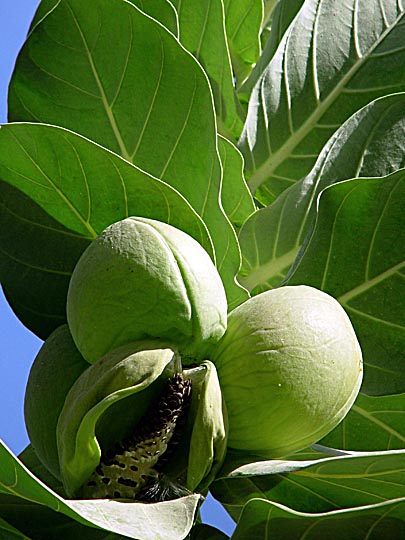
(237,458)
(373,423)
(202,32)
(161,10)
(164,122)
(320,485)
(39,522)
(314,83)
(264,520)
(142,87)
(370,143)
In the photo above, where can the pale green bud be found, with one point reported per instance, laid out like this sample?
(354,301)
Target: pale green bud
(290,368)
(145,279)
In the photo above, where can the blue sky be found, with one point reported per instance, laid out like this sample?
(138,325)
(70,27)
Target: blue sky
(18,345)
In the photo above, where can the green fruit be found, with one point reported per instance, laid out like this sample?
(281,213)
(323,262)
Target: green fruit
(290,368)
(56,367)
(145,279)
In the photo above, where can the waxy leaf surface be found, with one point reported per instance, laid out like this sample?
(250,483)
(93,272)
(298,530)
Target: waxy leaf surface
(373,423)
(319,485)
(271,521)
(370,143)
(333,59)
(202,32)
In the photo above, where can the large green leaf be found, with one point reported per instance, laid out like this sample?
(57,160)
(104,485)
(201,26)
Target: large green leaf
(161,10)
(202,32)
(59,192)
(169,520)
(236,458)
(163,122)
(37,258)
(314,83)
(243,20)
(370,143)
(283,14)
(356,253)
(373,423)
(264,520)
(320,485)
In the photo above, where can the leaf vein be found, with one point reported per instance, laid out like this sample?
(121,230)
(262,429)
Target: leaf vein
(180,134)
(109,112)
(153,100)
(376,421)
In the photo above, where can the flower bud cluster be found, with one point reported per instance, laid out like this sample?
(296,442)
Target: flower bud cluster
(152,380)
(125,418)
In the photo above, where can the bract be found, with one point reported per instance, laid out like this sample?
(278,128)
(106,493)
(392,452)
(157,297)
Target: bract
(112,398)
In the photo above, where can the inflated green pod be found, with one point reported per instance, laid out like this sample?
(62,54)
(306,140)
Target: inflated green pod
(143,279)
(56,367)
(290,368)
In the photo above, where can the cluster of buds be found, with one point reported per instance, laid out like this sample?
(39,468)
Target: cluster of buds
(136,410)
(153,380)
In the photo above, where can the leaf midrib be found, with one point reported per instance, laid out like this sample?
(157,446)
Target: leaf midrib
(262,173)
(124,152)
(344,476)
(379,423)
(345,298)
